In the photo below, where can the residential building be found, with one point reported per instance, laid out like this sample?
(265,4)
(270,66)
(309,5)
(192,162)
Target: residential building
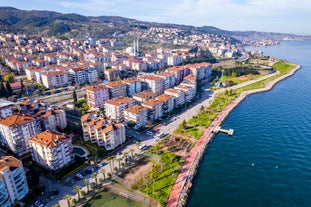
(114,108)
(189,92)
(13,175)
(111,74)
(144,96)
(179,96)
(168,80)
(51,150)
(6,108)
(5,200)
(55,79)
(103,132)
(16,130)
(155,108)
(174,60)
(53,119)
(116,89)
(137,114)
(97,95)
(153,83)
(168,102)
(133,86)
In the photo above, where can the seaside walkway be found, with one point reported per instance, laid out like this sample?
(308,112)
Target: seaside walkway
(182,184)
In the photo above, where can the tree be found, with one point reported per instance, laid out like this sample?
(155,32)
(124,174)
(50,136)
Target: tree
(83,193)
(77,190)
(22,86)
(103,171)
(74,201)
(109,159)
(9,90)
(87,184)
(132,152)
(9,78)
(67,197)
(138,144)
(125,154)
(2,90)
(119,161)
(95,178)
(74,96)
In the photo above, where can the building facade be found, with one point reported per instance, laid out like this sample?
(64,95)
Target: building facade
(97,95)
(16,130)
(13,175)
(51,150)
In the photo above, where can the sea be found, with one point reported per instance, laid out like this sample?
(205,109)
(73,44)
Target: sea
(267,162)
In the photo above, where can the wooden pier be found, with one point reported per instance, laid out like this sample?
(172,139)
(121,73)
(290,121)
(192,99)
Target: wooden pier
(226,131)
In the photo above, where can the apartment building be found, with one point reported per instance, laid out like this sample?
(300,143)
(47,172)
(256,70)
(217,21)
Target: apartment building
(155,108)
(116,89)
(111,74)
(133,86)
(5,200)
(144,96)
(13,175)
(168,102)
(15,132)
(53,119)
(103,132)
(174,60)
(114,108)
(153,83)
(51,150)
(97,95)
(6,108)
(178,94)
(137,114)
(168,79)
(189,92)
(200,70)
(55,79)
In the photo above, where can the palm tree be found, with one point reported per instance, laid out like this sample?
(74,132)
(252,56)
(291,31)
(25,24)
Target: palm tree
(119,161)
(87,184)
(132,152)
(110,159)
(77,190)
(125,157)
(56,205)
(67,197)
(138,145)
(103,171)
(95,177)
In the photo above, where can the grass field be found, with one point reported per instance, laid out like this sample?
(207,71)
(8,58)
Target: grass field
(109,199)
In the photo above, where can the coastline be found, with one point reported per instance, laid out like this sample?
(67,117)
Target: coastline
(183,183)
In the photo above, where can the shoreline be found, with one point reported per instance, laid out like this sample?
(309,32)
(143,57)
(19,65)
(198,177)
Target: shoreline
(183,183)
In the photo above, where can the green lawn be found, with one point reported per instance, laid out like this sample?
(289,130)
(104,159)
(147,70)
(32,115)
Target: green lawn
(158,184)
(109,199)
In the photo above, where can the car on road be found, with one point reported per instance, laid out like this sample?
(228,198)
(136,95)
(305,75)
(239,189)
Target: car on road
(39,204)
(103,164)
(79,175)
(150,133)
(142,147)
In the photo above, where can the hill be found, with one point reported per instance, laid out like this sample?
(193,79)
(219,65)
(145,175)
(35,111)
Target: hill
(74,25)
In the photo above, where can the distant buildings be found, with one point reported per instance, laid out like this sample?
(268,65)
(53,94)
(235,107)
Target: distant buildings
(13,183)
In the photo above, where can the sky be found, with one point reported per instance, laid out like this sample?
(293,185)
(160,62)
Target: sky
(285,16)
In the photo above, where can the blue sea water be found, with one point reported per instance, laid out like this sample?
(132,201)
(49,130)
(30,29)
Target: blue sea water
(268,160)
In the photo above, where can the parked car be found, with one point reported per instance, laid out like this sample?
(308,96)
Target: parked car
(103,164)
(142,147)
(39,204)
(150,133)
(79,175)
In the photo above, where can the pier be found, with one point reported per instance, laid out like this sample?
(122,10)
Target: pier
(226,131)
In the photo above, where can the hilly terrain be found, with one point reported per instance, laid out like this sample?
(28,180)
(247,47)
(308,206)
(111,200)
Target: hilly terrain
(51,23)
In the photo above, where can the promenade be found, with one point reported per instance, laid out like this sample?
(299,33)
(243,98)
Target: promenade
(183,183)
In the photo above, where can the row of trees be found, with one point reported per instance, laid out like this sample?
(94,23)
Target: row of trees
(90,185)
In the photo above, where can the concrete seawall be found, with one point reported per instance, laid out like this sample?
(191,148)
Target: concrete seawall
(183,183)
